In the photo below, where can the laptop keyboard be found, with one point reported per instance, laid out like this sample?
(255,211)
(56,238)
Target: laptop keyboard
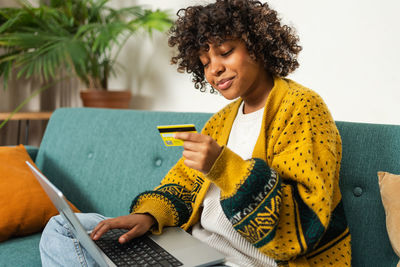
(141,251)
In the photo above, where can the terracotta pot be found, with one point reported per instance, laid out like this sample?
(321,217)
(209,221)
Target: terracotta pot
(106,99)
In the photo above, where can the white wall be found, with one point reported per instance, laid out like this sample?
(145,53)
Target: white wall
(350,57)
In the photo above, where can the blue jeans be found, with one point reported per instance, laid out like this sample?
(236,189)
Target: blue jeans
(58,247)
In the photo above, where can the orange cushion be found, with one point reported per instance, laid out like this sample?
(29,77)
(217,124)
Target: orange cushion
(24,206)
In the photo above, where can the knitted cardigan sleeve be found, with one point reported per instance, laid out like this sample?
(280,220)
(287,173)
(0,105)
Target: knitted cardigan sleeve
(171,202)
(283,204)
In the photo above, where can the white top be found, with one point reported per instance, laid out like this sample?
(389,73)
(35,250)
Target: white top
(214,228)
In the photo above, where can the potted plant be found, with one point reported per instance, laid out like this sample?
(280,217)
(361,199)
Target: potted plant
(83,37)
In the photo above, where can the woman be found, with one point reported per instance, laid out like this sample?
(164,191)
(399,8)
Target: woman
(260,183)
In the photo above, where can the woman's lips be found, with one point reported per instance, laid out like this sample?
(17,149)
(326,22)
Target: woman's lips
(225,83)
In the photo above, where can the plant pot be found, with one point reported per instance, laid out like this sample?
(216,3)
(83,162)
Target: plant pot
(106,99)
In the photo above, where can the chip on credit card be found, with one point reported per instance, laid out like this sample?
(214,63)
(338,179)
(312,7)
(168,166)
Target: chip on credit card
(167,133)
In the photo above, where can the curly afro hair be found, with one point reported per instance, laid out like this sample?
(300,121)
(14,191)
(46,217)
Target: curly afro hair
(252,21)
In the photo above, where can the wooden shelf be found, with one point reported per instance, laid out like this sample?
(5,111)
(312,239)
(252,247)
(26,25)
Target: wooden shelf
(27,117)
(21,116)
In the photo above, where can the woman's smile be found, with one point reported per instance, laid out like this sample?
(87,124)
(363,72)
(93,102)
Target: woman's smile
(225,83)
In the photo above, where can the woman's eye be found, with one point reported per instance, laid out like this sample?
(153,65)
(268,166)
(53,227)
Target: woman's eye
(227,53)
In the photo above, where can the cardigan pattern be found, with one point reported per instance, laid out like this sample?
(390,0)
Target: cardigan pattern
(254,209)
(285,200)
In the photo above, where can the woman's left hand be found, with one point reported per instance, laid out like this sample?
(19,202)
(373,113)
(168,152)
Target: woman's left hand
(200,151)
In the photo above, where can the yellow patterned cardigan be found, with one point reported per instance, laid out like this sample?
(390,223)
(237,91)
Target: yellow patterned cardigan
(286,199)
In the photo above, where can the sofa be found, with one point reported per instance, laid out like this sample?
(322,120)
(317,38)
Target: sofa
(102,158)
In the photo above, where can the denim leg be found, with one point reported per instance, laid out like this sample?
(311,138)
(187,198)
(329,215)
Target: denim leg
(58,247)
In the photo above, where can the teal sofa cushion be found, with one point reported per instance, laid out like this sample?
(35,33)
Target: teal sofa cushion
(101,159)
(21,252)
(367,149)
(32,151)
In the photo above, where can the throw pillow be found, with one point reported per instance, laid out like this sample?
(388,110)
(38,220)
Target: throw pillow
(389,185)
(24,206)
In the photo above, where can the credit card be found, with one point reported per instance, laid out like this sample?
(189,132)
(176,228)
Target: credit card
(167,133)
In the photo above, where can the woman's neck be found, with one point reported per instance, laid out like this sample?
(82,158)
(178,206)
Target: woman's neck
(258,99)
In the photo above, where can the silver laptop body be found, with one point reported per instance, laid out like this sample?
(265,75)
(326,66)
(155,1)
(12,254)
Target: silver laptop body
(181,245)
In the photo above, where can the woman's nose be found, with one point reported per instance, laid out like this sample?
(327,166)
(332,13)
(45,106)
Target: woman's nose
(217,68)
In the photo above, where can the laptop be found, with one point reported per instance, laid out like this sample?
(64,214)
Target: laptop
(174,246)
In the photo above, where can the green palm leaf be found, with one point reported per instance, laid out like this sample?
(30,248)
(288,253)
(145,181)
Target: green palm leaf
(76,35)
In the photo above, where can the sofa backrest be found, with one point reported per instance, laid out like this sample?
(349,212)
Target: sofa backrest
(101,159)
(367,149)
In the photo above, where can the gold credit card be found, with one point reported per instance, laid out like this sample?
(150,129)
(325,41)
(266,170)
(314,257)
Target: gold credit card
(167,133)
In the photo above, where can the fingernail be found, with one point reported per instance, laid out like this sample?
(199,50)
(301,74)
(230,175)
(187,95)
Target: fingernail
(95,237)
(122,240)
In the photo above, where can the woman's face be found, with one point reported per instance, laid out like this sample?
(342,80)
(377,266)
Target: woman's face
(229,68)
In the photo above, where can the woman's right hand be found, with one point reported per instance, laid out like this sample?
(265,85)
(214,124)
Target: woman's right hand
(137,224)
